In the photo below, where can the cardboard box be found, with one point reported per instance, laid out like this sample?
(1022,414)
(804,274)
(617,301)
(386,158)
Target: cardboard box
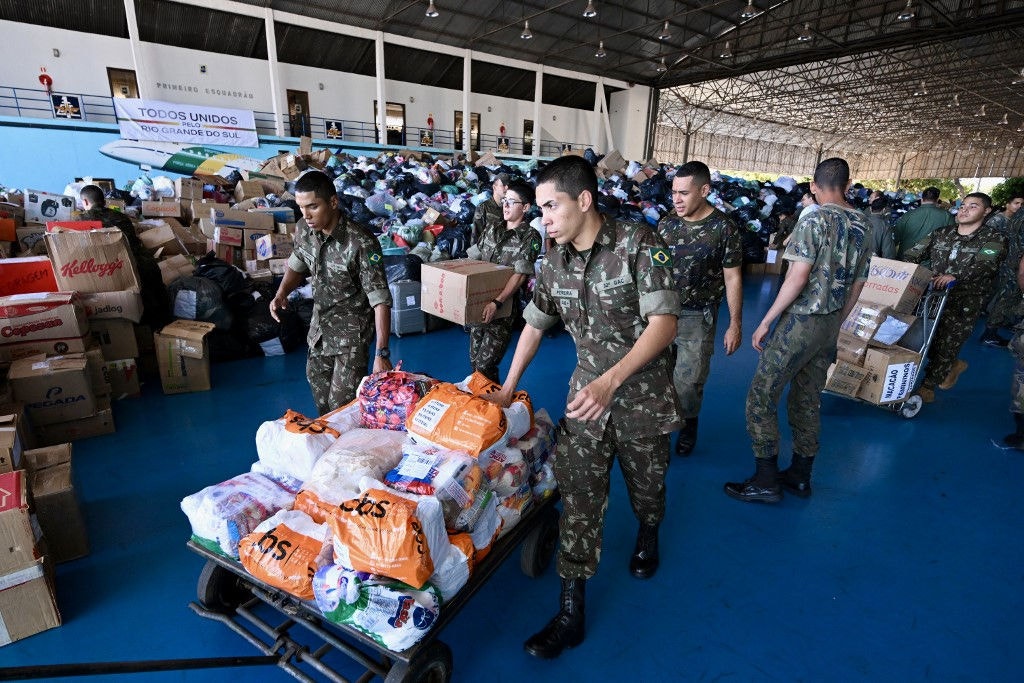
(44,206)
(31,240)
(115,337)
(123,305)
(253,220)
(41,316)
(274,246)
(183,356)
(845,378)
(162,238)
(851,349)
(281,214)
(11,443)
(44,347)
(895,283)
(877,325)
(53,389)
(278,266)
(17,538)
(188,188)
(459,290)
(248,189)
(226,252)
(14,212)
(201,208)
(123,376)
(27,274)
(891,374)
(173,267)
(227,236)
(99,423)
(612,161)
(161,209)
(56,503)
(773,262)
(95,261)
(27,604)
(97,373)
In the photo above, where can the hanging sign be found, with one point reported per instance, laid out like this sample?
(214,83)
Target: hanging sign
(334,129)
(188,123)
(66,107)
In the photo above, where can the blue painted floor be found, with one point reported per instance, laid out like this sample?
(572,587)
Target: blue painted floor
(905,564)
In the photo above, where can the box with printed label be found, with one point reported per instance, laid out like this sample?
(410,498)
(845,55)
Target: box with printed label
(161,209)
(188,188)
(115,337)
(459,290)
(201,209)
(94,261)
(845,378)
(44,206)
(123,376)
(100,422)
(27,274)
(248,189)
(878,325)
(891,374)
(27,603)
(182,353)
(11,445)
(44,347)
(895,283)
(42,316)
(274,246)
(56,503)
(229,237)
(253,220)
(17,538)
(124,305)
(53,389)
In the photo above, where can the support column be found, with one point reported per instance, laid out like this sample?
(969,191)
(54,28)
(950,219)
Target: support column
(899,169)
(277,98)
(601,108)
(467,85)
(538,94)
(142,76)
(382,103)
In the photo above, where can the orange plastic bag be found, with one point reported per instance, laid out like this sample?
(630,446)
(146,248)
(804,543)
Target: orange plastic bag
(380,533)
(479,384)
(456,420)
(285,551)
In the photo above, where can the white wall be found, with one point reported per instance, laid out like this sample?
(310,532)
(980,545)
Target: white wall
(628,112)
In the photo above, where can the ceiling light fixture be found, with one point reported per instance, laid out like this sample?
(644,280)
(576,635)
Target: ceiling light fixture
(956,100)
(600,54)
(590,11)
(922,89)
(980,112)
(664,35)
(527,33)
(726,51)
(805,34)
(432,10)
(908,12)
(749,12)
(1004,121)
(662,67)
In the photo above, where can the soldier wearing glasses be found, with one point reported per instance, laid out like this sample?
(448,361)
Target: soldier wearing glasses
(515,244)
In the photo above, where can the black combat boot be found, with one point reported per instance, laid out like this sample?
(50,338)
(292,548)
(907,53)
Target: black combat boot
(796,479)
(1016,440)
(763,487)
(644,562)
(566,629)
(687,437)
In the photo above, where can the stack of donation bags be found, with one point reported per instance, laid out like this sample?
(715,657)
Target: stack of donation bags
(379,510)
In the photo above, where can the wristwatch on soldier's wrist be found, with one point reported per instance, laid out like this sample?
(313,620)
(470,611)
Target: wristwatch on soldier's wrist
(384,353)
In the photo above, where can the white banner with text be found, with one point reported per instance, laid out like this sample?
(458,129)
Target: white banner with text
(187,123)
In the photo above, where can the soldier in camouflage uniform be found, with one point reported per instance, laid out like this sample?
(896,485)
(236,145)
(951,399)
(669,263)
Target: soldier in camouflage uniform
(490,213)
(828,255)
(1003,307)
(611,284)
(514,244)
(968,253)
(351,298)
(708,261)
(1016,439)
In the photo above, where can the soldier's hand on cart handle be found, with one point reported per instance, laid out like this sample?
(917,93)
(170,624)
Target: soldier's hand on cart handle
(591,401)
(276,304)
(760,334)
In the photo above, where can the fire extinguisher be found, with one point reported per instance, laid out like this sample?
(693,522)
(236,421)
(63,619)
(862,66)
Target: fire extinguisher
(47,82)
(430,122)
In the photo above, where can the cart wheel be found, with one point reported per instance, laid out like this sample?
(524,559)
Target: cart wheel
(218,588)
(539,546)
(911,407)
(433,664)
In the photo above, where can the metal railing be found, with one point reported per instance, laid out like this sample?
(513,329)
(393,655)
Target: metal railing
(36,103)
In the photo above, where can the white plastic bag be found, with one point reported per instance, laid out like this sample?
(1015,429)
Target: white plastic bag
(293,443)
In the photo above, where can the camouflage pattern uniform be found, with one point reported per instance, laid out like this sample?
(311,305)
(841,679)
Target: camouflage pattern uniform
(347,273)
(517,248)
(974,261)
(156,305)
(837,242)
(701,249)
(604,296)
(487,215)
(1017,386)
(1004,309)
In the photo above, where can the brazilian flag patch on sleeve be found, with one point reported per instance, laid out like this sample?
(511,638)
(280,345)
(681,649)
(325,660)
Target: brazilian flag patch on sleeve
(375,258)
(660,256)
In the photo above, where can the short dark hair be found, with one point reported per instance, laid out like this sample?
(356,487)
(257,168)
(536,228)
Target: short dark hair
(318,183)
(572,175)
(879,204)
(523,189)
(833,174)
(985,199)
(1015,195)
(931,194)
(697,170)
(93,194)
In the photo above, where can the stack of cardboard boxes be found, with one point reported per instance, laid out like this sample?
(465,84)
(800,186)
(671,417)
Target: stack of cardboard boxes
(878,350)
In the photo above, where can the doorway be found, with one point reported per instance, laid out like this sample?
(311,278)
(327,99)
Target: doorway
(474,130)
(298,113)
(122,83)
(527,136)
(394,119)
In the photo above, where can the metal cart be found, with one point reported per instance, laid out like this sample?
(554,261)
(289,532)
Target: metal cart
(230,595)
(919,338)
